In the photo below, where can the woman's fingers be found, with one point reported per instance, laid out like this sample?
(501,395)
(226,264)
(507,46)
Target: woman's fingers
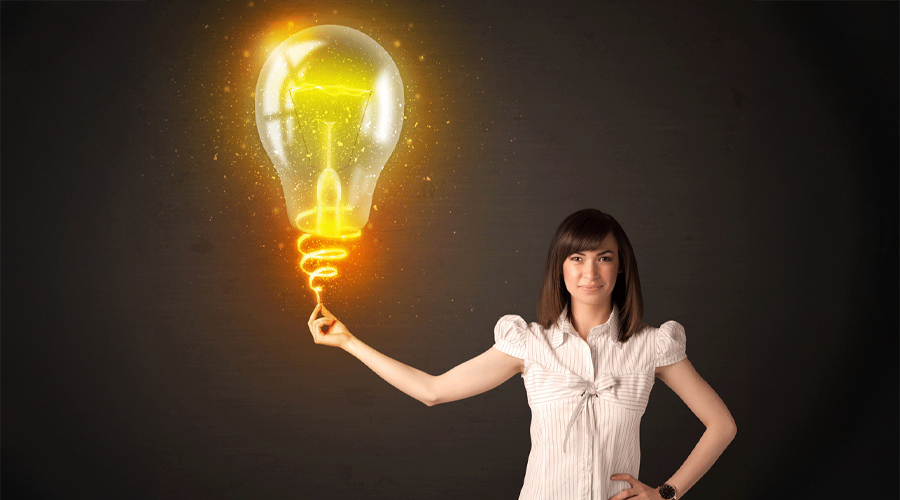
(623,477)
(629,493)
(626,493)
(316,327)
(623,495)
(320,327)
(315,313)
(319,323)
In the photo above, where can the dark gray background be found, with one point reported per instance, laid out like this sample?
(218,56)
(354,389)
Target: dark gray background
(153,329)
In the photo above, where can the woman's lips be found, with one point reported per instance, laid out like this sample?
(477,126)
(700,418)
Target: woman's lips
(589,289)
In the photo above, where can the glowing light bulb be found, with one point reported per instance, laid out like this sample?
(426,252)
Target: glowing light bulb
(329,110)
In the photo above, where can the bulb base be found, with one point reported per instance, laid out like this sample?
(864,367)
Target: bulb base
(308,222)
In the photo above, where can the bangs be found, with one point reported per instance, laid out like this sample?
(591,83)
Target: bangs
(584,235)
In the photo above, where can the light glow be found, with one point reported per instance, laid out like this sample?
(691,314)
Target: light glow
(311,261)
(317,97)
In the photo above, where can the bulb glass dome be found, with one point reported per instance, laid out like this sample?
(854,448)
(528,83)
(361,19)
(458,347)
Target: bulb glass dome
(329,110)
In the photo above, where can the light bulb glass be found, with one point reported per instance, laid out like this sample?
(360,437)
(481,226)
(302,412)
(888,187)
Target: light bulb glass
(329,110)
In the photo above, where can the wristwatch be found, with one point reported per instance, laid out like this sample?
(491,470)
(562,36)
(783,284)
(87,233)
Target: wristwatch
(667,492)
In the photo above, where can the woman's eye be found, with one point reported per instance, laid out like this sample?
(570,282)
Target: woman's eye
(575,258)
(606,258)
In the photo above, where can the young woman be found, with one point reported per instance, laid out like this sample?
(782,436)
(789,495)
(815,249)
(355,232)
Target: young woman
(588,366)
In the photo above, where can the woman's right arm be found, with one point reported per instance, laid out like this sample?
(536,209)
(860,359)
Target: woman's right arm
(479,374)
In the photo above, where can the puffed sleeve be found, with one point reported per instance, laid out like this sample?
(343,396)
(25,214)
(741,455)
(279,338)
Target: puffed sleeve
(670,343)
(510,335)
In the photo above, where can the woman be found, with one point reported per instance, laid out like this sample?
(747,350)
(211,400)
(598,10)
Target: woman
(588,366)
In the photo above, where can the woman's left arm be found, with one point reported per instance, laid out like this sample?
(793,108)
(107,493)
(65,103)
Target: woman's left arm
(682,378)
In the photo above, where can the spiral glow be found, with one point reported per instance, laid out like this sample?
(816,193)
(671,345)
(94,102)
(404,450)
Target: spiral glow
(315,262)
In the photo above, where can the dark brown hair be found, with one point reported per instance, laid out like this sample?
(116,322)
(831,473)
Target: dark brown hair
(581,231)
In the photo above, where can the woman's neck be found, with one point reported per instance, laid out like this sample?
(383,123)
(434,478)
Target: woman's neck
(585,317)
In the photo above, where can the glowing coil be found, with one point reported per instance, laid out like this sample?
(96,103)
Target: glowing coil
(311,258)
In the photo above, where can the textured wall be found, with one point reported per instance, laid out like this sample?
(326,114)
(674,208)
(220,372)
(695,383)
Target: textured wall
(154,341)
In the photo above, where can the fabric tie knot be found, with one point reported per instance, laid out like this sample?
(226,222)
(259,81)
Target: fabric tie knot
(588,390)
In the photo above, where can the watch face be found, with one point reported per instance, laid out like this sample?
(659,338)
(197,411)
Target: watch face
(667,492)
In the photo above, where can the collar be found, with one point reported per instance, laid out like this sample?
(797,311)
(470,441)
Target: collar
(563,327)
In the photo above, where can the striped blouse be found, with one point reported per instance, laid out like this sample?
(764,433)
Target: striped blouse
(586,400)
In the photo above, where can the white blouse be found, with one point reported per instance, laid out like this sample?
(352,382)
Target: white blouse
(586,400)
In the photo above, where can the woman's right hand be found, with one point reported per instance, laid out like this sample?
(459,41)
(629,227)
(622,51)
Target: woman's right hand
(328,330)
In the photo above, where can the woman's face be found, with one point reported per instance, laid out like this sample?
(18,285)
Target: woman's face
(590,276)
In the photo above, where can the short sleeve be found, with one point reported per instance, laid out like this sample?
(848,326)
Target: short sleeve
(670,343)
(510,335)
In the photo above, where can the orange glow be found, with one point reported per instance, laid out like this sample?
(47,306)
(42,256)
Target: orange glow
(315,260)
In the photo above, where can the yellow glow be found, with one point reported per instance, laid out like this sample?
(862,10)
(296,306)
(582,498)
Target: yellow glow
(329,119)
(328,210)
(315,262)
(319,249)
(329,110)
(334,89)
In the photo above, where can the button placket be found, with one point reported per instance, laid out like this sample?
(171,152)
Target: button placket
(593,342)
(589,420)
(590,353)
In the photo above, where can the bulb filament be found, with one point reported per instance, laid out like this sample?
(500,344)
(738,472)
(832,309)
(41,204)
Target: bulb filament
(328,195)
